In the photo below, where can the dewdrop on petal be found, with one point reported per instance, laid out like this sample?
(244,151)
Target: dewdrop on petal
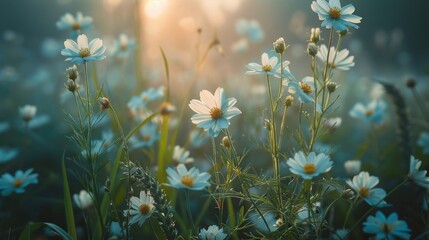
(104,103)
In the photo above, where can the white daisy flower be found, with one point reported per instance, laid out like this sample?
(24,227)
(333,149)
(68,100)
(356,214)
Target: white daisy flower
(309,166)
(190,179)
(364,185)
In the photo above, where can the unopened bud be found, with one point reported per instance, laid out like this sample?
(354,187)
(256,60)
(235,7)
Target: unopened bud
(343,33)
(225,142)
(27,112)
(348,194)
(279,45)
(72,73)
(104,103)
(315,35)
(312,49)
(167,108)
(71,85)
(288,101)
(331,86)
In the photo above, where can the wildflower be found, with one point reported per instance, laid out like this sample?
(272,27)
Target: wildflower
(141,208)
(340,234)
(312,49)
(315,35)
(116,230)
(27,112)
(71,85)
(180,155)
(212,233)
(123,46)
(373,112)
(213,111)
(225,142)
(149,135)
(269,66)
(145,97)
(8,154)
(104,103)
(364,185)
(288,101)
(81,51)
(309,166)
(423,142)
(72,73)
(83,200)
(50,47)
(331,86)
(338,60)
(279,45)
(251,29)
(190,179)
(197,138)
(352,167)
(17,183)
(167,108)
(304,90)
(74,24)
(386,228)
(419,177)
(333,15)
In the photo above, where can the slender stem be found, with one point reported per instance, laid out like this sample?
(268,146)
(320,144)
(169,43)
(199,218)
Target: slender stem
(325,73)
(315,117)
(215,171)
(188,208)
(282,125)
(349,211)
(421,105)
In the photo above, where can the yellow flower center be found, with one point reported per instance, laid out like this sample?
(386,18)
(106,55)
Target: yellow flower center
(386,228)
(215,113)
(84,52)
(369,113)
(144,209)
(267,68)
(17,183)
(187,180)
(146,138)
(306,88)
(309,168)
(364,192)
(335,13)
(75,26)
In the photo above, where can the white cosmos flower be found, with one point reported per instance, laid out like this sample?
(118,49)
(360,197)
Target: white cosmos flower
(83,200)
(190,179)
(419,177)
(181,155)
(309,166)
(364,185)
(341,60)
(212,233)
(81,51)
(141,208)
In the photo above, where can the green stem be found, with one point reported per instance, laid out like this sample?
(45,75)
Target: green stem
(349,211)
(188,208)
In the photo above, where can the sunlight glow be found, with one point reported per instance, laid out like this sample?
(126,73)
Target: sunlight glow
(154,8)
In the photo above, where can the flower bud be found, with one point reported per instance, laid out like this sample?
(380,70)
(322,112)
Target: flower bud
(279,45)
(331,86)
(288,101)
(225,142)
(352,167)
(348,194)
(27,112)
(278,223)
(104,103)
(312,49)
(343,33)
(71,85)
(167,108)
(411,83)
(72,73)
(315,35)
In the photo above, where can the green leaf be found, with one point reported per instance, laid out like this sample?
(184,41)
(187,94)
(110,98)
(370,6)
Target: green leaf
(71,228)
(31,227)
(167,74)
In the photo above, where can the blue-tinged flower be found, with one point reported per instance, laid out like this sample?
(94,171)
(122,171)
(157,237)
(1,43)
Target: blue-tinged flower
(338,60)
(148,136)
(190,179)
(352,167)
(4,126)
(181,155)
(198,138)
(27,112)
(123,46)
(213,111)
(269,66)
(386,228)
(419,177)
(251,29)
(74,24)
(141,208)
(81,51)
(333,15)
(423,142)
(116,230)
(17,183)
(8,154)
(373,112)
(304,90)
(364,185)
(83,200)
(340,234)
(212,233)
(145,97)
(309,166)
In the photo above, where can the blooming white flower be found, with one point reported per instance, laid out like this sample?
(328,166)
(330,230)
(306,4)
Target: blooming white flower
(17,183)
(269,65)
(419,177)
(213,111)
(141,208)
(83,200)
(180,155)
(212,233)
(373,112)
(27,112)
(364,185)
(386,228)
(352,167)
(74,24)
(333,15)
(190,179)
(309,166)
(81,51)
(338,60)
